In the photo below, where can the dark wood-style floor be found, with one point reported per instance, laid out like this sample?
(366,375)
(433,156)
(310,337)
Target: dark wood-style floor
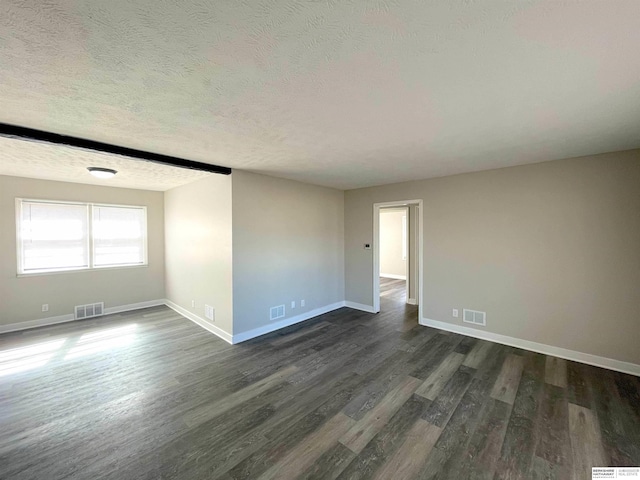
(149,395)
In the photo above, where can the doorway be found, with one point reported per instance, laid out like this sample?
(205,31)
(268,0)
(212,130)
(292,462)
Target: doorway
(394,253)
(397,276)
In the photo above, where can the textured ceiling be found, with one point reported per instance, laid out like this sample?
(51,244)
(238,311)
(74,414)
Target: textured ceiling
(339,93)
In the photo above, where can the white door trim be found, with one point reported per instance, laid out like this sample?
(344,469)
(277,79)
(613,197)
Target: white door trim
(376,249)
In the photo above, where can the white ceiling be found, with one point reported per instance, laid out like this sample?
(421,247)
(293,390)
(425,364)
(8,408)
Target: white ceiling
(338,93)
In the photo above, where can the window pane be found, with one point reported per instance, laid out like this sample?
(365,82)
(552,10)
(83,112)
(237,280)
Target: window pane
(119,236)
(54,236)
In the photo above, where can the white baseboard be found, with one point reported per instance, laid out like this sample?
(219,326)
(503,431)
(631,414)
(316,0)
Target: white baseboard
(69,317)
(412,301)
(394,276)
(272,327)
(227,337)
(41,322)
(134,306)
(595,360)
(360,306)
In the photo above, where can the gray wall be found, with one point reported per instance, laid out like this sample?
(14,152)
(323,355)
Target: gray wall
(288,244)
(391,261)
(21,298)
(198,248)
(550,251)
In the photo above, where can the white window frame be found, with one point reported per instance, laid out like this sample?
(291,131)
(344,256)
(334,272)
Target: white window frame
(90,238)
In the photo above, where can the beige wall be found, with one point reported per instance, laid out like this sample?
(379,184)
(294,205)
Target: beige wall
(21,298)
(550,251)
(391,261)
(288,245)
(198,248)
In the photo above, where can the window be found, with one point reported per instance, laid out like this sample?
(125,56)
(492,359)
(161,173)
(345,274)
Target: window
(59,236)
(119,235)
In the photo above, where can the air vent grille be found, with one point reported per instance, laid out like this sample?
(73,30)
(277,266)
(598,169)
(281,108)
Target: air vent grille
(475,317)
(89,310)
(276,312)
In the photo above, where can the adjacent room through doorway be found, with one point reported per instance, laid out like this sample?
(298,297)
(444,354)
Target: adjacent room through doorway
(394,253)
(397,254)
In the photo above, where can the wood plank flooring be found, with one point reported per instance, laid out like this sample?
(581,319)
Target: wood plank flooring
(347,395)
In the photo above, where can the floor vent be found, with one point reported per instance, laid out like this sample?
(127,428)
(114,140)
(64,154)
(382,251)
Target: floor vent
(475,317)
(88,311)
(276,312)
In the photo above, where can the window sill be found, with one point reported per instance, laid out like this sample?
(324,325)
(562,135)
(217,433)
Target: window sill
(80,270)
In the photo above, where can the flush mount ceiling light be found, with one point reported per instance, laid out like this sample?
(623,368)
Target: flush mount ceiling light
(102,172)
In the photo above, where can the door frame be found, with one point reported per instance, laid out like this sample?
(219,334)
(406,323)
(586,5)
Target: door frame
(376,250)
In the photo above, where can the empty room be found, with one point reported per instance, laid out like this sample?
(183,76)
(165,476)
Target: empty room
(293,239)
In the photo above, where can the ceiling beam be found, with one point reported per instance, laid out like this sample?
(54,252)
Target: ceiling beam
(32,135)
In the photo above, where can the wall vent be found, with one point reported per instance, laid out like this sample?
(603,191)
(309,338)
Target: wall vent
(276,312)
(475,317)
(89,310)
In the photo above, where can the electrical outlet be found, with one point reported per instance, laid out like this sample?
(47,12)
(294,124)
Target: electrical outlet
(293,304)
(302,303)
(45,307)
(455,312)
(193,303)
(209,312)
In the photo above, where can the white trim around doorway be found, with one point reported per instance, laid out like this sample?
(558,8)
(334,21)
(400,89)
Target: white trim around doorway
(376,250)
